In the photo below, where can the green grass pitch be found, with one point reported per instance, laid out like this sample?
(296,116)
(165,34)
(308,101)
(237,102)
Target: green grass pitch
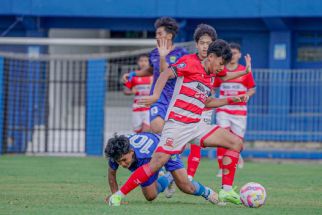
(57,185)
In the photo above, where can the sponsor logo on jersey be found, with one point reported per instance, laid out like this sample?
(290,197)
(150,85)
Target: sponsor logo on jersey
(173,59)
(181,65)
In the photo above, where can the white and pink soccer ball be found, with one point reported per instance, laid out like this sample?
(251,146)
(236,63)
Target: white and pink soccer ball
(253,195)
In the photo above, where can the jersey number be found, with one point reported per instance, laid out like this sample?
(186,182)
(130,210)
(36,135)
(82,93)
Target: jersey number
(143,142)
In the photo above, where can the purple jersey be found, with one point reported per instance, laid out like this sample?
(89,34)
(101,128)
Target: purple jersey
(171,58)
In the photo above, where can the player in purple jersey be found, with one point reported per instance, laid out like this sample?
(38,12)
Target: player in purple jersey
(135,151)
(160,58)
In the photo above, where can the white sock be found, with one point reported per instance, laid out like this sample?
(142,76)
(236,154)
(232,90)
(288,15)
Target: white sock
(190,177)
(119,193)
(227,188)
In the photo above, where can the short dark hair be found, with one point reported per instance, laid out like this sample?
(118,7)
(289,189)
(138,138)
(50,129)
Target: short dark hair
(204,29)
(234,46)
(170,25)
(142,55)
(221,49)
(116,147)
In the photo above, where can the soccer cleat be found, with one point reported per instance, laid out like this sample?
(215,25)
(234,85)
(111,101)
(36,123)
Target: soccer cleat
(229,196)
(115,200)
(212,196)
(170,190)
(219,173)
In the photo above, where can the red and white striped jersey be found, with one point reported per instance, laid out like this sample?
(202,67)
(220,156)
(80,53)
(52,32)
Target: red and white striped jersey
(193,87)
(142,87)
(235,87)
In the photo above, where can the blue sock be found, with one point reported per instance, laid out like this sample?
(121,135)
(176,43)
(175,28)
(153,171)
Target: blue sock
(200,189)
(163,182)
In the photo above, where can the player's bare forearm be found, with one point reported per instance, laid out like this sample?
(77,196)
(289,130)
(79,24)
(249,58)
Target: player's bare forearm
(251,92)
(147,71)
(111,175)
(233,75)
(214,103)
(162,80)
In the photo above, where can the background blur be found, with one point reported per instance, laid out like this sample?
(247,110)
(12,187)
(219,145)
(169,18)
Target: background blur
(61,63)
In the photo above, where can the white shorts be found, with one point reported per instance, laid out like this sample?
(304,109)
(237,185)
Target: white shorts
(139,118)
(176,135)
(236,123)
(206,117)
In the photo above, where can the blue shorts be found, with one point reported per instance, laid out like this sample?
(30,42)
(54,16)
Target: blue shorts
(173,164)
(160,108)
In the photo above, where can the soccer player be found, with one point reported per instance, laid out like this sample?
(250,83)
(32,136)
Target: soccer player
(234,117)
(160,58)
(232,88)
(140,86)
(191,95)
(136,151)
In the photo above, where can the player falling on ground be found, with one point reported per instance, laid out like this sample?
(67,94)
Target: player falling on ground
(233,88)
(234,117)
(135,152)
(140,86)
(193,86)
(160,58)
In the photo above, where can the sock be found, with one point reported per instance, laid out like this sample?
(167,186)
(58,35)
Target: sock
(139,176)
(193,160)
(220,155)
(164,181)
(200,190)
(230,161)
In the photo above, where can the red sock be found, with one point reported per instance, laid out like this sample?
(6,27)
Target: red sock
(193,159)
(220,155)
(139,176)
(230,168)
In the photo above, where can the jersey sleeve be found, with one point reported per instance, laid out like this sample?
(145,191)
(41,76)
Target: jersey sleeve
(249,81)
(181,67)
(112,164)
(129,84)
(222,73)
(217,82)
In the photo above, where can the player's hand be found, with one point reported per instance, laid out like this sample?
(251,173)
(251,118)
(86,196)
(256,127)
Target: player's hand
(148,100)
(248,61)
(244,98)
(125,77)
(163,47)
(107,199)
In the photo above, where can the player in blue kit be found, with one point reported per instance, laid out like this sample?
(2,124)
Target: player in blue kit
(136,150)
(160,59)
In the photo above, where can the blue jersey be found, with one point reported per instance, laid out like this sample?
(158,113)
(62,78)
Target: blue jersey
(171,58)
(143,145)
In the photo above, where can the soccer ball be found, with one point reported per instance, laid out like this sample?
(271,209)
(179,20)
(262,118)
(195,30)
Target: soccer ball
(253,195)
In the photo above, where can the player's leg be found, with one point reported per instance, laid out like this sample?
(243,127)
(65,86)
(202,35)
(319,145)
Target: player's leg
(238,127)
(221,137)
(193,187)
(136,122)
(154,185)
(193,160)
(224,122)
(145,121)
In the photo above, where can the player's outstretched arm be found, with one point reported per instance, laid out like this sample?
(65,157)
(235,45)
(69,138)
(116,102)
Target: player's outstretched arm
(214,103)
(147,71)
(164,49)
(162,80)
(111,177)
(233,75)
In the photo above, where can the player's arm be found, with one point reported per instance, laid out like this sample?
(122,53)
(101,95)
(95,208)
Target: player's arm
(162,80)
(127,91)
(147,71)
(233,75)
(214,102)
(111,177)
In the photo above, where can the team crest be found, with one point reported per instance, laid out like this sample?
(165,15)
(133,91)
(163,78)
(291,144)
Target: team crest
(169,142)
(173,59)
(154,111)
(181,65)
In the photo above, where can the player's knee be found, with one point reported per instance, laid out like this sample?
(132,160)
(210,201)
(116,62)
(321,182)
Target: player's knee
(150,197)
(238,144)
(156,128)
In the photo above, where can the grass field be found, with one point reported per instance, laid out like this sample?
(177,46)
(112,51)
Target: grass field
(57,185)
